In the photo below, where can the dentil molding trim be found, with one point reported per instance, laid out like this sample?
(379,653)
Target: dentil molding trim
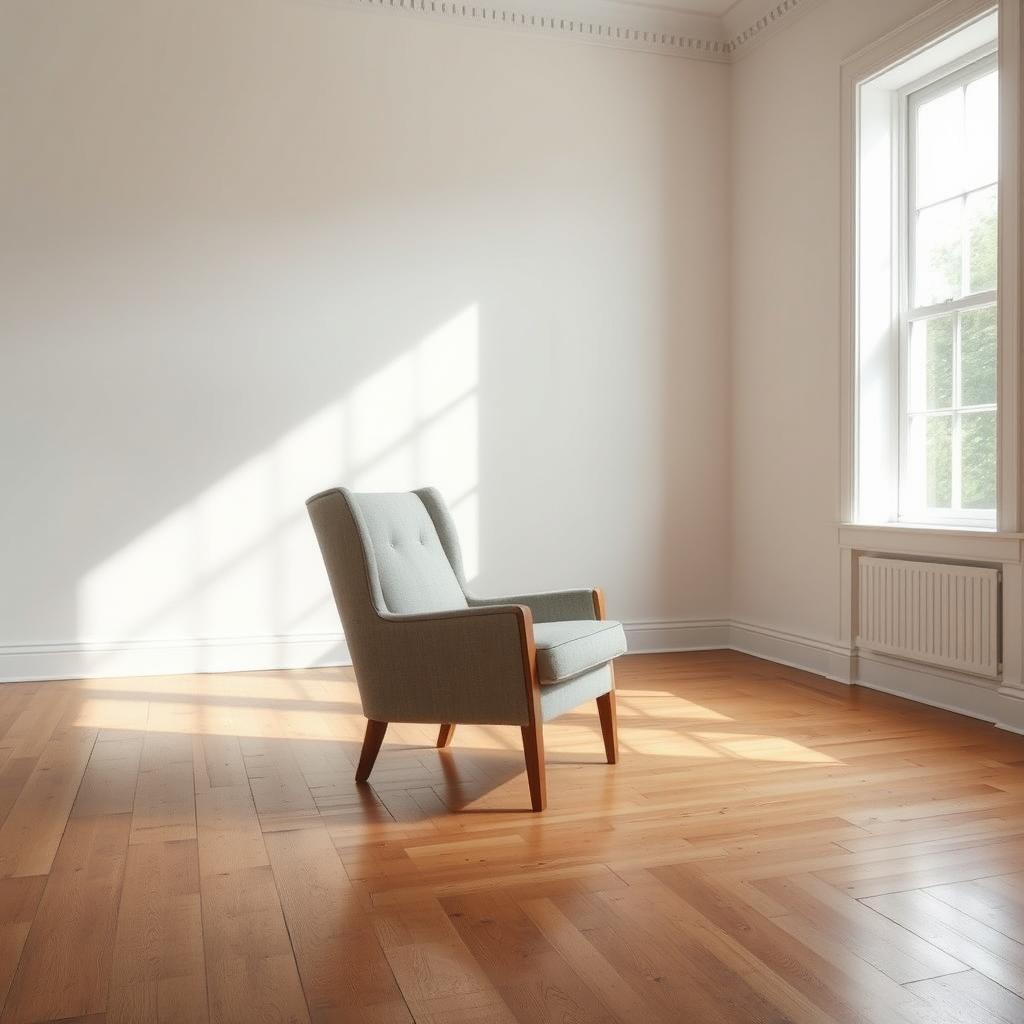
(752,21)
(622,24)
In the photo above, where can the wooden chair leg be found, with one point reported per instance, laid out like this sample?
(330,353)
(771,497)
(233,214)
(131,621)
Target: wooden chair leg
(609,726)
(444,737)
(371,747)
(533,749)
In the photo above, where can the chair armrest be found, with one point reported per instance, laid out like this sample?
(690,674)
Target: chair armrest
(553,605)
(465,665)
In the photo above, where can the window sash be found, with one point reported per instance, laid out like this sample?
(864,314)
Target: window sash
(977,66)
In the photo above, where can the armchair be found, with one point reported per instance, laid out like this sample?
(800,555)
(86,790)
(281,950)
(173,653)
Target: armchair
(425,649)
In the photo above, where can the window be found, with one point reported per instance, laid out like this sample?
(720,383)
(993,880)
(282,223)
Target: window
(921,419)
(948,299)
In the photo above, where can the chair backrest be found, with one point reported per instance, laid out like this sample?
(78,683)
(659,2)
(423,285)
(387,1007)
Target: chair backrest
(388,553)
(413,569)
(396,554)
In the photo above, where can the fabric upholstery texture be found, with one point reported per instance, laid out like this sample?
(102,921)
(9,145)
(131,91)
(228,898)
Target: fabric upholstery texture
(415,573)
(552,606)
(558,698)
(424,649)
(566,649)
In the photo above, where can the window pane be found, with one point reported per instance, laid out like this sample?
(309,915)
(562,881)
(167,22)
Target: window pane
(978,356)
(982,131)
(938,254)
(981,239)
(940,147)
(939,456)
(947,373)
(931,363)
(978,460)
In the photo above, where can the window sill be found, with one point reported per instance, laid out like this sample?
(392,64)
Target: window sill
(933,541)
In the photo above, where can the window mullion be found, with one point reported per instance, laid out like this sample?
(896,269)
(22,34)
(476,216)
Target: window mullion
(905,227)
(955,434)
(965,250)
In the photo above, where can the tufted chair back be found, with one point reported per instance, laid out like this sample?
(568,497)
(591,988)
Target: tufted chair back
(401,541)
(387,555)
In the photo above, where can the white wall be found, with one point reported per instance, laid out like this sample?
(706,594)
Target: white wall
(254,248)
(785,303)
(792,570)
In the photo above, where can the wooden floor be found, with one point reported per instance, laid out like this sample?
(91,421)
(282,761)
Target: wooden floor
(771,848)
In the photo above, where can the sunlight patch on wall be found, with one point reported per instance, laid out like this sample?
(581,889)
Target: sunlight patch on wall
(239,560)
(415,422)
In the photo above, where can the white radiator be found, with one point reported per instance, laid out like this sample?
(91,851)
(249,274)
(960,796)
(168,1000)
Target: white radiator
(944,615)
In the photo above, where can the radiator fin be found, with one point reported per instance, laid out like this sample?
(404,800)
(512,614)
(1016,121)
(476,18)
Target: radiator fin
(945,615)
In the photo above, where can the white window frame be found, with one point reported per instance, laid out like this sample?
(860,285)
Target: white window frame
(961,72)
(861,527)
(868,433)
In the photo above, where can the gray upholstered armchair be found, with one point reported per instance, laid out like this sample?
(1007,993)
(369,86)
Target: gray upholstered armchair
(426,650)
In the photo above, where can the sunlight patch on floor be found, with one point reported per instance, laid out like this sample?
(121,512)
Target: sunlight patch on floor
(752,747)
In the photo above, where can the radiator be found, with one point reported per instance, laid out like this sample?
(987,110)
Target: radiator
(944,615)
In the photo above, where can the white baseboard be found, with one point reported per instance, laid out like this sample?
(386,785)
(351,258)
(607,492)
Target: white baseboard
(810,654)
(1018,729)
(90,660)
(935,687)
(34,662)
(680,635)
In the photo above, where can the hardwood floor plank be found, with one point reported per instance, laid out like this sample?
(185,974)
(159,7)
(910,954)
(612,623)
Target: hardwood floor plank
(33,829)
(827,976)
(890,948)
(66,962)
(228,831)
(341,964)
(19,900)
(14,773)
(108,785)
(430,962)
(971,941)
(158,971)
(996,901)
(877,878)
(533,979)
(657,921)
(972,998)
(165,803)
(221,759)
(250,969)
(596,972)
(36,722)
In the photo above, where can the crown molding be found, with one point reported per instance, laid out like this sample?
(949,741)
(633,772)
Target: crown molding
(622,24)
(750,22)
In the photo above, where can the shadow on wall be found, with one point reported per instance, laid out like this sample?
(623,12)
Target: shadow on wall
(245,544)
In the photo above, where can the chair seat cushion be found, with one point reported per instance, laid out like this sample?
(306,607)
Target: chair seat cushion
(566,649)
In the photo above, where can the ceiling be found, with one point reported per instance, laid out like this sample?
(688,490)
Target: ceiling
(715,8)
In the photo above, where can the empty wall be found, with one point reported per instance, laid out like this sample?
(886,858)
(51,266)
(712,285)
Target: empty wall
(256,248)
(785,260)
